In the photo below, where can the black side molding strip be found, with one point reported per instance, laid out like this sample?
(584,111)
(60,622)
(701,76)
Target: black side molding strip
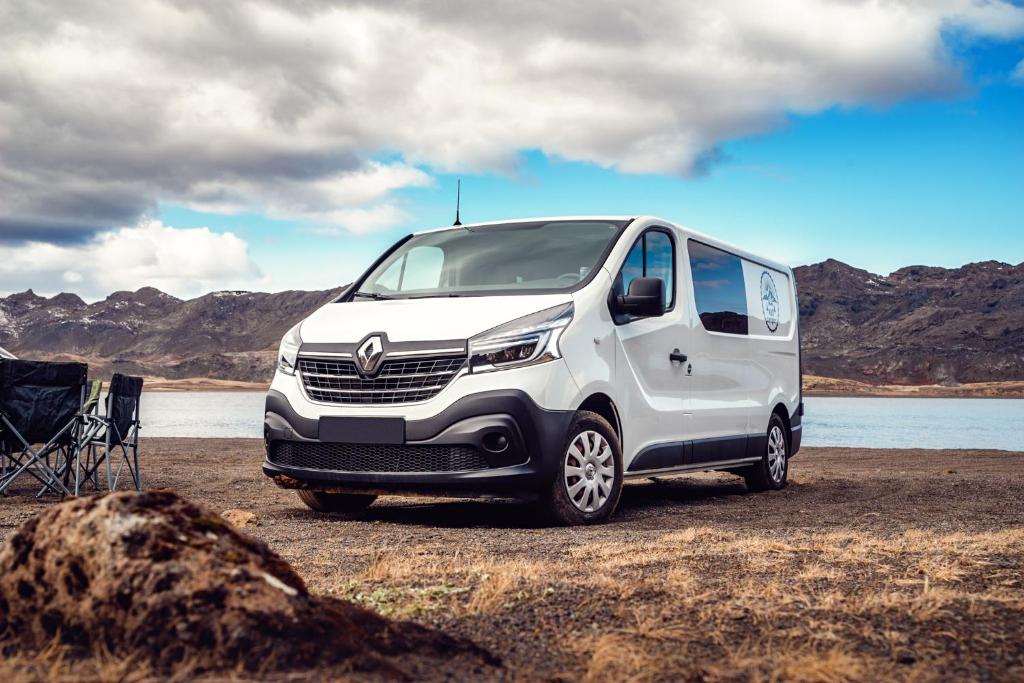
(698,451)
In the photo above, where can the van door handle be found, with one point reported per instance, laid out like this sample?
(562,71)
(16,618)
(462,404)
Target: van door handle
(677,356)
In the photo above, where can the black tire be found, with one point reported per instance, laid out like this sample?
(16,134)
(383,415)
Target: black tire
(558,502)
(336,502)
(762,476)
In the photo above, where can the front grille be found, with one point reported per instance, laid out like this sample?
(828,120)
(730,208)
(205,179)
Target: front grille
(356,457)
(399,381)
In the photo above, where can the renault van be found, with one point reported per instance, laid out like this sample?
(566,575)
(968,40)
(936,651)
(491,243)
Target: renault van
(543,359)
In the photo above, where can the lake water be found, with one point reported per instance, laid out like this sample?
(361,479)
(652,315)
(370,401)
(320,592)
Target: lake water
(864,422)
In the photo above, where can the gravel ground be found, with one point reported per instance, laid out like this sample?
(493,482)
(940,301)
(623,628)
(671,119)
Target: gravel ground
(872,564)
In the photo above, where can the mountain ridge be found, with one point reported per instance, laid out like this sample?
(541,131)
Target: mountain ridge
(918,325)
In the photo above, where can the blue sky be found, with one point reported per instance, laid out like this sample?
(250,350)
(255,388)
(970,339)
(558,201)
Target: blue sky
(934,181)
(264,145)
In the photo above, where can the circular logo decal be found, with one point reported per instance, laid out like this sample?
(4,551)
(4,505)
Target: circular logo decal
(769,301)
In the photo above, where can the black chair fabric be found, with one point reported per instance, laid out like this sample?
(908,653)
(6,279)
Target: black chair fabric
(122,399)
(40,398)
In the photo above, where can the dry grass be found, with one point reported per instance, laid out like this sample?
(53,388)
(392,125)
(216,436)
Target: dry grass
(721,605)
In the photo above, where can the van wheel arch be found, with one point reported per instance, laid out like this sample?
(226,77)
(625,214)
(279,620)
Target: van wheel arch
(781,410)
(603,405)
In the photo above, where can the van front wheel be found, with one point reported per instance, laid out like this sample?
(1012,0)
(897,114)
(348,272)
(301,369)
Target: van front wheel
(588,483)
(336,502)
(771,471)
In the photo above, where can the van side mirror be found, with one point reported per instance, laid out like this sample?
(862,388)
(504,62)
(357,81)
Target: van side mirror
(646,298)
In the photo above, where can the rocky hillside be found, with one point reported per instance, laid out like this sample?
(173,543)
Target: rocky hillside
(226,335)
(918,325)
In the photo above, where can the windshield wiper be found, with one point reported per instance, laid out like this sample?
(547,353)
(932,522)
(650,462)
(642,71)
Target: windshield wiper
(450,295)
(374,295)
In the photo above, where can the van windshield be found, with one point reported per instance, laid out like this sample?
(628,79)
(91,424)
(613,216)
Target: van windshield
(507,258)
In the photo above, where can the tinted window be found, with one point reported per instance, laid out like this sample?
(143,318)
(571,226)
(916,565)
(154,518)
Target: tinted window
(517,256)
(718,288)
(660,262)
(651,256)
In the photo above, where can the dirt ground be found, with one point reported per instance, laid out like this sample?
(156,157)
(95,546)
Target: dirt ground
(871,565)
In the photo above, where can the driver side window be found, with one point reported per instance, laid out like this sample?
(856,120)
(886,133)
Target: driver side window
(653,255)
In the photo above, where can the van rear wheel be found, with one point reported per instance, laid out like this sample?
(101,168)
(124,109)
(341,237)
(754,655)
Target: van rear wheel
(771,471)
(588,483)
(336,502)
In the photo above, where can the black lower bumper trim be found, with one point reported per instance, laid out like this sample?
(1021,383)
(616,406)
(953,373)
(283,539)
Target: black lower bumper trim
(371,457)
(526,461)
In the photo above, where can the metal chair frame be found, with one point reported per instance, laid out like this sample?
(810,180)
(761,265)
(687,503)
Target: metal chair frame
(37,462)
(99,450)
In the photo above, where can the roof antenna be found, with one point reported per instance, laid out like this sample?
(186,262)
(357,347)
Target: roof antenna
(458,199)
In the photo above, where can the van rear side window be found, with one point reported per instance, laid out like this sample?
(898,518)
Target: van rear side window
(718,289)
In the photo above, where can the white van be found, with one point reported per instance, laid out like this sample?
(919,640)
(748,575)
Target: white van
(547,359)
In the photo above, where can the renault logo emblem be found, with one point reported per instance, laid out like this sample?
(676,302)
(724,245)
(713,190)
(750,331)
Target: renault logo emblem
(369,354)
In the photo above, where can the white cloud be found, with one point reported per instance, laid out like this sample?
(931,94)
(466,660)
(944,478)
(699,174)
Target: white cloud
(183,262)
(353,202)
(281,107)
(361,221)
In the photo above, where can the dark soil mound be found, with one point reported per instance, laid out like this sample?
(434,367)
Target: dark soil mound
(153,577)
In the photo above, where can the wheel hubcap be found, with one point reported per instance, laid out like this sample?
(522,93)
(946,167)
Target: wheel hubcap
(776,453)
(589,471)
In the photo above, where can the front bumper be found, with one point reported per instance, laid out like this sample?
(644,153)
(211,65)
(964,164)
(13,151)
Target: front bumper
(525,467)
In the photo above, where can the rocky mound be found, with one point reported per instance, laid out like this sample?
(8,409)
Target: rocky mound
(153,577)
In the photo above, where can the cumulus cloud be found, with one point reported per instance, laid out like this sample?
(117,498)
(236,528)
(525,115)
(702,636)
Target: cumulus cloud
(282,107)
(357,201)
(183,262)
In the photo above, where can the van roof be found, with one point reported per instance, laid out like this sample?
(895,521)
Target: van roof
(538,219)
(703,237)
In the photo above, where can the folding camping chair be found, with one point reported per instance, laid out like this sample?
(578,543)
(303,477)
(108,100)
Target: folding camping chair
(88,428)
(114,434)
(40,403)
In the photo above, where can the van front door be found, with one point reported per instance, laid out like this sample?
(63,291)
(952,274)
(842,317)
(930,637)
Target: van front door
(654,386)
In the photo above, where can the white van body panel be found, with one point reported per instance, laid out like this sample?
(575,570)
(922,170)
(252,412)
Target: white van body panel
(588,344)
(734,382)
(420,319)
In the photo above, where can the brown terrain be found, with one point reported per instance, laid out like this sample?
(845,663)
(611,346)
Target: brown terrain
(828,386)
(871,565)
(230,336)
(916,326)
(923,330)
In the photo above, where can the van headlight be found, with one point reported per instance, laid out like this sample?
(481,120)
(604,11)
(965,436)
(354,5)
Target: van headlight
(288,354)
(525,341)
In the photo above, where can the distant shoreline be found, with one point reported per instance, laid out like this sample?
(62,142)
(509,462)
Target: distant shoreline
(813,386)
(848,388)
(201,384)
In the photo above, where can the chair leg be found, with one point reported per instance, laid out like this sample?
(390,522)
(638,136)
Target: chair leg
(111,484)
(121,462)
(78,470)
(138,472)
